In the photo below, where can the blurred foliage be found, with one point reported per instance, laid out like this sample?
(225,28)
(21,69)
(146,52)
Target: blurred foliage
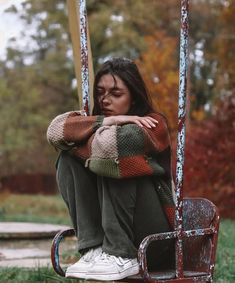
(210,153)
(118,27)
(35,86)
(37,80)
(225,43)
(212,46)
(160,73)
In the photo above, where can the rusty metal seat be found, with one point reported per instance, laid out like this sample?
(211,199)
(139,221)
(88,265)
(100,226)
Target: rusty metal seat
(199,236)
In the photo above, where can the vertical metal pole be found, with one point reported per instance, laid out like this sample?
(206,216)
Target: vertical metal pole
(84,56)
(181,134)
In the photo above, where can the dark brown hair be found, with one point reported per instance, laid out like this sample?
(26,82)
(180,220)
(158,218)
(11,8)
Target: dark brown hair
(128,72)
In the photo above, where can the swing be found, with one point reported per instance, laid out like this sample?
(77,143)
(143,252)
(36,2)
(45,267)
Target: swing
(196,219)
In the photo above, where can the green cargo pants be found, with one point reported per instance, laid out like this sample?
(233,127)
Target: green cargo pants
(113,213)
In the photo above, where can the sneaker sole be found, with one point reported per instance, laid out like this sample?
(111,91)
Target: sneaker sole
(75,275)
(115,276)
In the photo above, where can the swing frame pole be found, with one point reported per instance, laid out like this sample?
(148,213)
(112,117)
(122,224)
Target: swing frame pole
(79,32)
(182,101)
(84,56)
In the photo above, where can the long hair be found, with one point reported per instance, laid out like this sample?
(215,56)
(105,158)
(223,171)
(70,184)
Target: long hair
(128,72)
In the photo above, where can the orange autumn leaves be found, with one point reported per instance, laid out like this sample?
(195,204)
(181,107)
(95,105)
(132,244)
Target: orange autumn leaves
(159,67)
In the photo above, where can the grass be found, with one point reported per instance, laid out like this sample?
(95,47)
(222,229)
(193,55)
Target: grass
(20,275)
(33,208)
(51,209)
(225,260)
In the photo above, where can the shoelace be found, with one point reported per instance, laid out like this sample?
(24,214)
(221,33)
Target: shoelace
(106,258)
(89,255)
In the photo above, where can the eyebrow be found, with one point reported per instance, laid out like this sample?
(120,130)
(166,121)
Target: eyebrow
(112,88)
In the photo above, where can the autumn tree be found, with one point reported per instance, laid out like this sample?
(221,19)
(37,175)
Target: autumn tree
(40,76)
(159,67)
(118,27)
(210,151)
(35,86)
(225,42)
(212,30)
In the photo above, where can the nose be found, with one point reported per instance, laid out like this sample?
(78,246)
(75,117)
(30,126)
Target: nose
(105,100)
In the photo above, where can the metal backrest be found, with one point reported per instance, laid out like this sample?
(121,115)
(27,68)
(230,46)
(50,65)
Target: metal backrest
(198,214)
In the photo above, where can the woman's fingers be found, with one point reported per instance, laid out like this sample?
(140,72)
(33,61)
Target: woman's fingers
(148,122)
(152,120)
(138,123)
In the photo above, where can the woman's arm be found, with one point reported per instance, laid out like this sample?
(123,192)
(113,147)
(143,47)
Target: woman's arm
(129,149)
(146,121)
(69,129)
(153,127)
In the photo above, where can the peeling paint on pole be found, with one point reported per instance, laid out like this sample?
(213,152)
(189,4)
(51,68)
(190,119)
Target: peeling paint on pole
(182,103)
(84,56)
(181,134)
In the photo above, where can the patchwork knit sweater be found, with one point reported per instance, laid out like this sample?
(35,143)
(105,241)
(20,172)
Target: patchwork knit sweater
(118,151)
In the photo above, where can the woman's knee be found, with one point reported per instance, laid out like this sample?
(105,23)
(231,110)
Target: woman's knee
(67,160)
(64,158)
(65,169)
(69,167)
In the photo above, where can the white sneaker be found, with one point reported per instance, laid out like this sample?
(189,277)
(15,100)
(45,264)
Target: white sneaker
(108,267)
(79,269)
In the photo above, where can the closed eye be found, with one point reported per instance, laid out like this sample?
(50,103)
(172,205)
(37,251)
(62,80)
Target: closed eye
(100,91)
(116,93)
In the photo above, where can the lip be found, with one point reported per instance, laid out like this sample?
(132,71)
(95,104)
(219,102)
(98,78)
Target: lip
(106,111)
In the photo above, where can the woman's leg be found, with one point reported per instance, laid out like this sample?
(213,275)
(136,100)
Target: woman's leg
(150,219)
(78,187)
(117,201)
(131,210)
(119,257)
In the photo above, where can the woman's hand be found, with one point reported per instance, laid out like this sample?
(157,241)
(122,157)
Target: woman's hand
(146,121)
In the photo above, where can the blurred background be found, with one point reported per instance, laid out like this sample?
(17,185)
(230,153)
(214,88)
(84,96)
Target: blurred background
(37,82)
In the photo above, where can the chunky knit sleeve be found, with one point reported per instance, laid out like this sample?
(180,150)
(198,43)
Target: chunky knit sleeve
(158,138)
(130,150)
(71,129)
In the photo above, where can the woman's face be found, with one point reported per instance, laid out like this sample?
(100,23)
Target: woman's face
(114,98)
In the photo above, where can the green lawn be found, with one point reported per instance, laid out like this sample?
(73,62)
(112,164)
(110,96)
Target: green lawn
(17,275)
(33,208)
(225,260)
(52,209)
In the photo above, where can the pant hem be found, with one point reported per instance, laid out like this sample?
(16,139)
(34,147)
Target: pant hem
(89,245)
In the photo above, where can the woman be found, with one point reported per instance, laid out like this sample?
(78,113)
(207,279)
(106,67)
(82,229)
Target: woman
(114,173)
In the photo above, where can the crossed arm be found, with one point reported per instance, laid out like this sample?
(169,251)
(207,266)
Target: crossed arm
(72,129)
(146,121)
